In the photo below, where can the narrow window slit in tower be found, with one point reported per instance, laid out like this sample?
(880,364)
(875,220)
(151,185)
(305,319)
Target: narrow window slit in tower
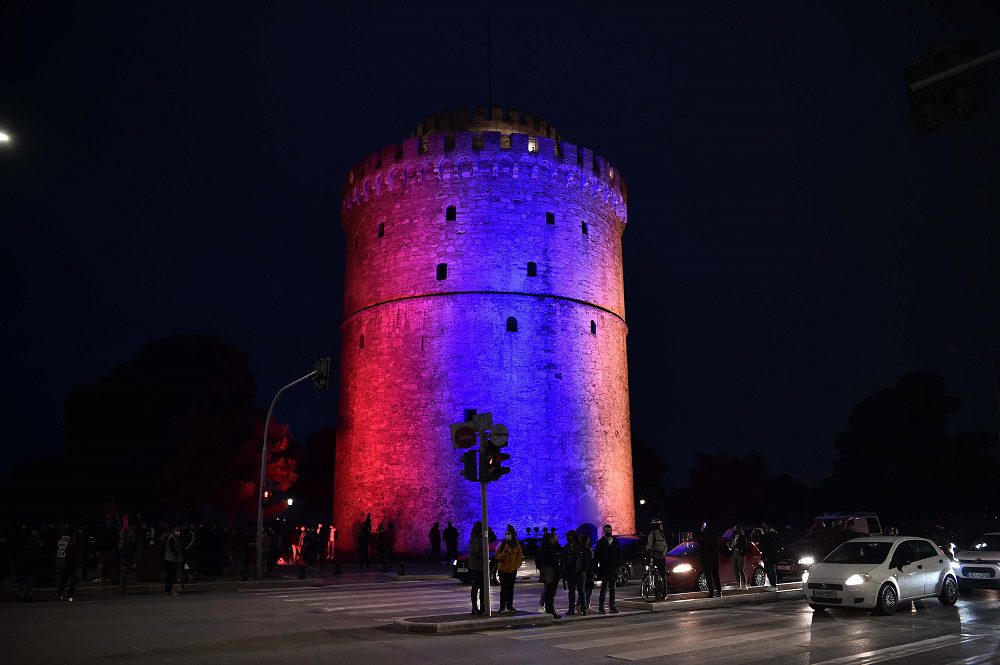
(593,327)
(532,269)
(505,141)
(421,342)
(477,142)
(450,214)
(532,145)
(381,229)
(442,271)
(361,342)
(424,144)
(550,218)
(583,227)
(449,142)
(511,324)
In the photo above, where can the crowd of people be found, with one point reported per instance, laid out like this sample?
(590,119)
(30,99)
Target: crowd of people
(110,550)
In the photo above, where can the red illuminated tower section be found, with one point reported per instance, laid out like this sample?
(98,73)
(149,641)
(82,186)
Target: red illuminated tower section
(484,272)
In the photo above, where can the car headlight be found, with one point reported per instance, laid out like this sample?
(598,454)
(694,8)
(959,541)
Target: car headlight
(455,562)
(682,568)
(805,577)
(855,580)
(807,561)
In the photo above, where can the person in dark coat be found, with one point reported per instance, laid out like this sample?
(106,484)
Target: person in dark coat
(478,594)
(770,542)
(584,572)
(569,575)
(72,564)
(364,541)
(451,541)
(434,535)
(708,554)
(552,557)
(607,558)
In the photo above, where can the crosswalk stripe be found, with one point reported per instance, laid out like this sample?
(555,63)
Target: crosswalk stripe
(674,648)
(902,650)
(705,633)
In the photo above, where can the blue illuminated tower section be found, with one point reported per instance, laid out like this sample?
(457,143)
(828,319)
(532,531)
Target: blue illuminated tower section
(484,272)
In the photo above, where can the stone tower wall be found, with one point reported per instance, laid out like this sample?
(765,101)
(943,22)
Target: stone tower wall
(419,346)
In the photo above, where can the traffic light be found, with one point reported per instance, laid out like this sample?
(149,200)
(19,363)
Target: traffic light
(959,95)
(321,379)
(469,466)
(493,459)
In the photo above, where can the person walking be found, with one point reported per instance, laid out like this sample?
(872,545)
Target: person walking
(476,568)
(607,558)
(708,554)
(450,536)
(72,564)
(173,557)
(364,542)
(584,572)
(770,542)
(434,535)
(569,575)
(740,546)
(509,558)
(552,557)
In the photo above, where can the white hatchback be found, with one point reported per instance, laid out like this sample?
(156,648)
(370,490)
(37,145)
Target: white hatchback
(879,572)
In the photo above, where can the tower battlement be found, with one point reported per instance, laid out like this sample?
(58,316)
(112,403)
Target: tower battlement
(483,119)
(443,155)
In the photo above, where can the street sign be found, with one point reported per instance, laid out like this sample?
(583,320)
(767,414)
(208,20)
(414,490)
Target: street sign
(463,435)
(498,435)
(483,422)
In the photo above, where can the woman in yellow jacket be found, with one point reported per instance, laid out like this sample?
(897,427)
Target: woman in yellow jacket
(509,557)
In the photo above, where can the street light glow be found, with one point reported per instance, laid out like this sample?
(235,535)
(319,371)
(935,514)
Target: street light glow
(4,137)
(642,502)
(290,501)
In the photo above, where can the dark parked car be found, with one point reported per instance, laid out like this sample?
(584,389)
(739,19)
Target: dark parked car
(633,562)
(796,555)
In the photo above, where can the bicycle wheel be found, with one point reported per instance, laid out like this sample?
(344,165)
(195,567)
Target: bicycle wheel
(649,585)
(660,587)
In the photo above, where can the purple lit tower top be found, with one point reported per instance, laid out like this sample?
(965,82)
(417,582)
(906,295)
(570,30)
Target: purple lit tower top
(484,272)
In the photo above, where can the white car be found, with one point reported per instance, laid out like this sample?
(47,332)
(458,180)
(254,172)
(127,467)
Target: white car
(979,566)
(879,572)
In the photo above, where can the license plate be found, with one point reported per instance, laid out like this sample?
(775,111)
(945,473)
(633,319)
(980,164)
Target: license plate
(824,594)
(462,569)
(784,567)
(980,575)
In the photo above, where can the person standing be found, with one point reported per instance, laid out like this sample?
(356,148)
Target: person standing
(584,572)
(509,558)
(708,554)
(476,568)
(434,535)
(364,540)
(569,576)
(656,546)
(770,542)
(173,557)
(451,541)
(72,563)
(552,556)
(607,558)
(740,546)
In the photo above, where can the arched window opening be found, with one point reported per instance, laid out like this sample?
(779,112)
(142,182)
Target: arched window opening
(442,271)
(550,218)
(450,214)
(532,269)
(511,324)
(593,327)
(583,227)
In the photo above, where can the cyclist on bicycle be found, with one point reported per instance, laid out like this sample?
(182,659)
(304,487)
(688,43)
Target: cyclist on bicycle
(656,546)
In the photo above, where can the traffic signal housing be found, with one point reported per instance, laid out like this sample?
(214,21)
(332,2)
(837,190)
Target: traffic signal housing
(469,466)
(493,459)
(321,379)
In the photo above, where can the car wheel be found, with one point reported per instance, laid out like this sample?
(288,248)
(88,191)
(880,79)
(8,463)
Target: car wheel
(623,575)
(759,577)
(887,600)
(702,582)
(949,592)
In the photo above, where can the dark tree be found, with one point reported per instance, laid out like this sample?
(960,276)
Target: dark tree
(648,470)
(315,487)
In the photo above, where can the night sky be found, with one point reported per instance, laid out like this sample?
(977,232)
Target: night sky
(791,249)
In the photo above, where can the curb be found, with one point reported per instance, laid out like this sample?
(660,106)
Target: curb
(451,626)
(144,588)
(417,578)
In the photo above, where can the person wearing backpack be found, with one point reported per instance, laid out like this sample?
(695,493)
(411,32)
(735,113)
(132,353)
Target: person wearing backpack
(509,558)
(740,546)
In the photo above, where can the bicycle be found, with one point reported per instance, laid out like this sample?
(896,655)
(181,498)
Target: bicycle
(654,584)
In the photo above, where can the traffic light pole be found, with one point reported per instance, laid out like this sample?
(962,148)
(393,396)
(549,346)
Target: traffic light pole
(263,474)
(486,525)
(958,69)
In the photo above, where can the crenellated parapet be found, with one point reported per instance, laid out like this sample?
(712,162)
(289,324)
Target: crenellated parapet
(482,119)
(487,154)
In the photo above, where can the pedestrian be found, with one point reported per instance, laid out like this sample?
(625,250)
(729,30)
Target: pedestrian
(106,545)
(72,563)
(451,541)
(552,556)
(569,576)
(656,546)
(607,558)
(476,568)
(509,558)
(769,544)
(173,558)
(434,535)
(364,541)
(740,546)
(26,564)
(584,572)
(708,555)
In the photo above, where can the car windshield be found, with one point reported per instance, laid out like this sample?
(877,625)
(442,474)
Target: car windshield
(989,542)
(687,548)
(854,551)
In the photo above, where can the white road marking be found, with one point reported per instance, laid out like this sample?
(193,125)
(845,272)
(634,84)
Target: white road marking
(902,650)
